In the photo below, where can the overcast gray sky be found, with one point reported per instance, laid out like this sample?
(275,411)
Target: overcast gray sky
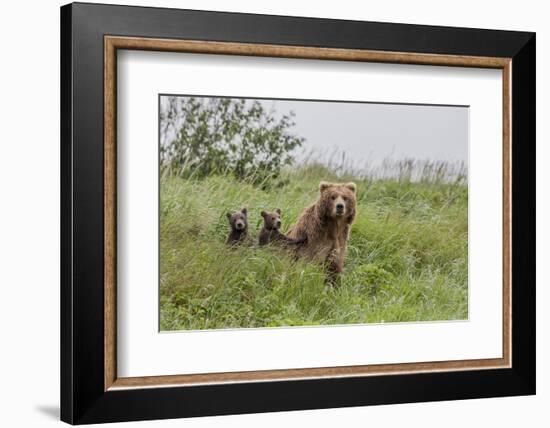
(371,132)
(368,133)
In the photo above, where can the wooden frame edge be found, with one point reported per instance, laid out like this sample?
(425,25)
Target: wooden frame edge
(507,213)
(308,373)
(112,43)
(301,52)
(110,214)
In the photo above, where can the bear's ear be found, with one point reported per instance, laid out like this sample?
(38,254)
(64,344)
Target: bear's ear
(351,186)
(263,213)
(228,216)
(278,211)
(324,185)
(244,211)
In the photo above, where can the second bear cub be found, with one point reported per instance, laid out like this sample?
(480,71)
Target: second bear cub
(271,233)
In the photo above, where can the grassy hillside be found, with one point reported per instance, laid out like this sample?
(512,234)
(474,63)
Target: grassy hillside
(407,258)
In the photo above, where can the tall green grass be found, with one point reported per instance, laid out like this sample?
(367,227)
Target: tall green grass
(406,261)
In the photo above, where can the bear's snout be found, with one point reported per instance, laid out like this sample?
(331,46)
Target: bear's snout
(239,225)
(339,206)
(278,224)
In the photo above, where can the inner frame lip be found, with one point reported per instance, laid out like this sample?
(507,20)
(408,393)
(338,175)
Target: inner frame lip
(113,43)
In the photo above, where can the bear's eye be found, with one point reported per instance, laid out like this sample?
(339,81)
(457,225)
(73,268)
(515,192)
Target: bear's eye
(345,198)
(333,197)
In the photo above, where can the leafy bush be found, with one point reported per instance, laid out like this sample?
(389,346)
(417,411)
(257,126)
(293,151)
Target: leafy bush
(205,136)
(371,275)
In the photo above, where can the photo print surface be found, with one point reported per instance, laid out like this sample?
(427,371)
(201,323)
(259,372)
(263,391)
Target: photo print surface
(281,213)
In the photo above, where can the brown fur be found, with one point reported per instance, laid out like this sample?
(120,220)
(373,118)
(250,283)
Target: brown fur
(327,230)
(238,223)
(271,230)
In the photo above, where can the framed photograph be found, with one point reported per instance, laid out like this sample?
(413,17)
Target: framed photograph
(266,213)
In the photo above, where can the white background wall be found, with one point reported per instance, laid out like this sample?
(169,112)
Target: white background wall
(29,213)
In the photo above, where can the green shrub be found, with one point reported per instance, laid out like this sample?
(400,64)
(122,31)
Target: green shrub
(205,136)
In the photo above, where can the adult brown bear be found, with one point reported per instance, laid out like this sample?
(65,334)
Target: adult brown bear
(326,224)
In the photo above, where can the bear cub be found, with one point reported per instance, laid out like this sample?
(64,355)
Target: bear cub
(271,230)
(238,221)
